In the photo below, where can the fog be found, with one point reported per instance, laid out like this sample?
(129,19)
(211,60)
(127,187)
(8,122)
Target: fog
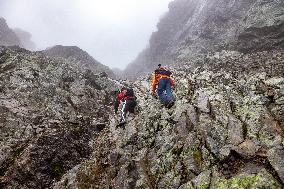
(112,31)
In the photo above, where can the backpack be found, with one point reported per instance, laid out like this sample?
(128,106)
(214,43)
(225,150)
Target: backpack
(163,72)
(130,93)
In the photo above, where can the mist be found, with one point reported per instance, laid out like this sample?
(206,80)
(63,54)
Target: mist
(112,31)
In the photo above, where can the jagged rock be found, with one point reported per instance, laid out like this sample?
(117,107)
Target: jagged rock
(224,131)
(202,180)
(248,148)
(235,131)
(47,108)
(192,29)
(175,147)
(203,103)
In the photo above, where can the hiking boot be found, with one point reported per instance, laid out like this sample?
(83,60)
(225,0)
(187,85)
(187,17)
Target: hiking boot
(121,124)
(170,104)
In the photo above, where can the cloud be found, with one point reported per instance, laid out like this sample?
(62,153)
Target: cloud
(112,31)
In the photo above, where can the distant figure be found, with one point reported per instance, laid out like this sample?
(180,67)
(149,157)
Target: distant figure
(119,99)
(162,78)
(129,104)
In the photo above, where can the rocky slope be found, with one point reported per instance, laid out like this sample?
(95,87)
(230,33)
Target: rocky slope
(225,131)
(7,35)
(78,58)
(192,28)
(50,111)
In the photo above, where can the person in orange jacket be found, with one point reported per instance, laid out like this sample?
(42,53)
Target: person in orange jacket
(162,79)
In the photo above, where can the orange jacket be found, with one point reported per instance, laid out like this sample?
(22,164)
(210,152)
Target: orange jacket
(155,79)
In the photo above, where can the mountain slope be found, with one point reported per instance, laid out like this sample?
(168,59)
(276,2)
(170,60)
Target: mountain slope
(192,28)
(50,111)
(78,58)
(225,131)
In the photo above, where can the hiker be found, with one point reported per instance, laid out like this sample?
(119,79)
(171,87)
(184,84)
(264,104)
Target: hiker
(119,98)
(129,104)
(162,79)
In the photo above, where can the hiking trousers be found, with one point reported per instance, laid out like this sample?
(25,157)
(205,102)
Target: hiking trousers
(164,84)
(116,105)
(128,106)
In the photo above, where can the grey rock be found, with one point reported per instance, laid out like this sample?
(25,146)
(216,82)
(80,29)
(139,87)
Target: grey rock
(202,180)
(235,130)
(192,29)
(45,128)
(276,159)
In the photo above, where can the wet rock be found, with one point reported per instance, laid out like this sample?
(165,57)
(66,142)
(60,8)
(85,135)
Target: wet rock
(276,159)
(193,29)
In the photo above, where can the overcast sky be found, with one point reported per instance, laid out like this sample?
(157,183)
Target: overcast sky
(112,31)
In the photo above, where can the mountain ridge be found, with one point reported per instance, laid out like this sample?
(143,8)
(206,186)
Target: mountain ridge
(78,57)
(194,28)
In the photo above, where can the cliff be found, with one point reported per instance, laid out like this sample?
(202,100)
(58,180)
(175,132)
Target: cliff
(193,28)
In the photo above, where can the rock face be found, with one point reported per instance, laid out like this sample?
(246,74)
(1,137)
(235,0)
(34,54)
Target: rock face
(225,130)
(50,111)
(78,58)
(7,35)
(192,28)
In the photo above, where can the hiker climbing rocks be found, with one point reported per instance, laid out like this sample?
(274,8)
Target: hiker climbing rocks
(119,99)
(162,79)
(129,104)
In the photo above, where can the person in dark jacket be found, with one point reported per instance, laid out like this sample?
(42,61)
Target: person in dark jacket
(129,104)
